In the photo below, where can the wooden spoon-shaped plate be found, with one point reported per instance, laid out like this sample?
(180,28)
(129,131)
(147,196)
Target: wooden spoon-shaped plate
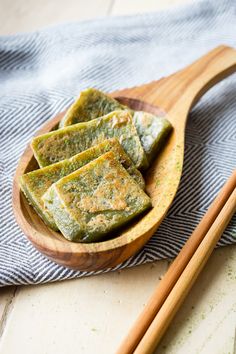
(172,96)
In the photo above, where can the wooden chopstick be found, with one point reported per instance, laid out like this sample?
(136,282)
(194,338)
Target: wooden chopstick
(164,287)
(177,295)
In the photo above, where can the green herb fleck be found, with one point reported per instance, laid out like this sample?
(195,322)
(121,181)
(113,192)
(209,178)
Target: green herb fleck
(157,182)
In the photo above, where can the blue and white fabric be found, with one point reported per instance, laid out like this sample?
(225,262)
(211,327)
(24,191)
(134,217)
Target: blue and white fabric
(42,72)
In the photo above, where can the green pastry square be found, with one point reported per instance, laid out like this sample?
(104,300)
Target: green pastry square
(66,142)
(90,203)
(35,183)
(90,104)
(153,131)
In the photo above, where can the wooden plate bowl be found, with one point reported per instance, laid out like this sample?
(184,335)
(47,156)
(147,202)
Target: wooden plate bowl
(175,95)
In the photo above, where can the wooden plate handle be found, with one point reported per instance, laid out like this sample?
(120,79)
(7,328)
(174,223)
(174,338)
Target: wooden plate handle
(180,91)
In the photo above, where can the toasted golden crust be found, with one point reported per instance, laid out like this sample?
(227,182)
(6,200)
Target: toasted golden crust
(66,142)
(34,184)
(90,104)
(94,200)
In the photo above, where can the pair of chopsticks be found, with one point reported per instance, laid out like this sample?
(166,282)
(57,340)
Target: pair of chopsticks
(152,323)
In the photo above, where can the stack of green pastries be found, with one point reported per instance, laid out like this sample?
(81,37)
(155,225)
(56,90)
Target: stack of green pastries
(89,182)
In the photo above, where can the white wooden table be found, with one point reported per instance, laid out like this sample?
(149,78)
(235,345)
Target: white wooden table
(91,315)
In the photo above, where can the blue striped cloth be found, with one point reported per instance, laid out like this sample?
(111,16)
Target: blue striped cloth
(42,72)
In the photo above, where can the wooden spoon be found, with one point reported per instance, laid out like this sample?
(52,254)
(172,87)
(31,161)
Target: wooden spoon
(172,96)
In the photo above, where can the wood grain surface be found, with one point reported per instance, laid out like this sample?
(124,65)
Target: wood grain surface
(162,291)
